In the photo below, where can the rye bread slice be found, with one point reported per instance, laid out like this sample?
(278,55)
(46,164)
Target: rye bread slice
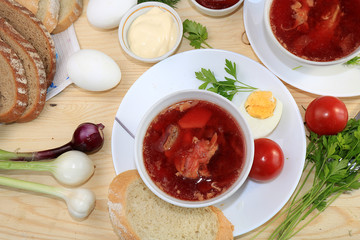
(34,70)
(70,10)
(48,13)
(13,85)
(32,5)
(32,29)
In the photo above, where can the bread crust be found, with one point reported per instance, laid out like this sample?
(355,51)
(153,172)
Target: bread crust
(225,227)
(117,204)
(34,70)
(118,208)
(68,18)
(32,5)
(24,21)
(17,72)
(51,13)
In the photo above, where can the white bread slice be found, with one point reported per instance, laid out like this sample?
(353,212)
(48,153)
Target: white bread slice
(13,85)
(70,10)
(31,28)
(34,70)
(32,5)
(137,213)
(48,13)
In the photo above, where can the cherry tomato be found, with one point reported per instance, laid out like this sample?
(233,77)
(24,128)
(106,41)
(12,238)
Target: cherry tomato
(268,160)
(326,115)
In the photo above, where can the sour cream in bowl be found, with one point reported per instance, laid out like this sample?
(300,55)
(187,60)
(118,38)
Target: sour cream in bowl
(150,31)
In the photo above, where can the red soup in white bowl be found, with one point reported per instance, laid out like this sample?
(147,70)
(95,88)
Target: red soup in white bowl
(315,32)
(193,148)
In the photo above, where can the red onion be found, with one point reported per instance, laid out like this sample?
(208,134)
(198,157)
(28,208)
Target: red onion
(87,138)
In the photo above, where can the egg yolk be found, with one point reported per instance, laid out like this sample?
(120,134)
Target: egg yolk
(260,104)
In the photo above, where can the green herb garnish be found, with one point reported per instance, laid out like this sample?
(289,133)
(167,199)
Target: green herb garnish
(334,160)
(196,33)
(227,88)
(171,3)
(296,68)
(354,61)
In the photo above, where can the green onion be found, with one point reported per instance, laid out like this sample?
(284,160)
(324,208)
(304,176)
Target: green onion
(80,202)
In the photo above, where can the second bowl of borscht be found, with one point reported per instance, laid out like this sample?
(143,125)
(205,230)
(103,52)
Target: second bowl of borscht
(314,32)
(193,148)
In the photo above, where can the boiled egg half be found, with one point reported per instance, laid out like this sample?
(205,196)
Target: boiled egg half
(262,111)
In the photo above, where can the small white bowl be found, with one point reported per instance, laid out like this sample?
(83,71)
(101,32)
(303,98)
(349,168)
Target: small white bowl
(193,95)
(216,12)
(303,61)
(135,12)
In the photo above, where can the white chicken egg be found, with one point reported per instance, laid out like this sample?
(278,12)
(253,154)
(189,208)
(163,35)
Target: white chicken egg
(93,70)
(261,127)
(106,14)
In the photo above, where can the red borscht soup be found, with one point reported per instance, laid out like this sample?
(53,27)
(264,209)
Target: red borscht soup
(194,150)
(317,30)
(217,4)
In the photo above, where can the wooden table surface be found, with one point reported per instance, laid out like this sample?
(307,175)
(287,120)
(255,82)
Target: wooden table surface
(32,216)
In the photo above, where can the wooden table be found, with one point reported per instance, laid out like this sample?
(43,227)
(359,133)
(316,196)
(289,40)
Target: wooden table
(32,216)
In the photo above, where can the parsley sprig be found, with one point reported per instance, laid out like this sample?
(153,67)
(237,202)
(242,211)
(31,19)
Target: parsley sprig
(227,88)
(171,3)
(196,33)
(354,61)
(335,163)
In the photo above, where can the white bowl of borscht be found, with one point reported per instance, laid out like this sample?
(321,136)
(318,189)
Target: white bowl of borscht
(193,148)
(216,8)
(314,32)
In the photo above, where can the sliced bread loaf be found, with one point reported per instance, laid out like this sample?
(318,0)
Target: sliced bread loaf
(49,13)
(34,70)
(32,5)
(13,85)
(29,26)
(137,213)
(70,10)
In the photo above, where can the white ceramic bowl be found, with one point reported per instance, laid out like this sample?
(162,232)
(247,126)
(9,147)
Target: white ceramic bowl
(178,97)
(216,12)
(135,12)
(303,61)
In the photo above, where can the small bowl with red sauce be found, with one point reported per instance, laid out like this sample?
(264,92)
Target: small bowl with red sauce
(193,148)
(216,8)
(315,33)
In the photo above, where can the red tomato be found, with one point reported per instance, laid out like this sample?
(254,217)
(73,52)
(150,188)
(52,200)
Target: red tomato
(195,118)
(326,115)
(268,160)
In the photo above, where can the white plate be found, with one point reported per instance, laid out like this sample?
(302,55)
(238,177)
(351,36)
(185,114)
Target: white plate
(254,203)
(338,80)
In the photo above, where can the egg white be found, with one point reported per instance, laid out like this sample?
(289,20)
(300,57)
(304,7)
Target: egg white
(262,127)
(93,70)
(107,14)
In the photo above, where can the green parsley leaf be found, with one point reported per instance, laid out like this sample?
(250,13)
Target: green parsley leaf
(196,33)
(227,88)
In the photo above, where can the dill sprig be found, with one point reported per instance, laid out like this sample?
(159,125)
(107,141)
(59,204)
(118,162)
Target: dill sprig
(354,61)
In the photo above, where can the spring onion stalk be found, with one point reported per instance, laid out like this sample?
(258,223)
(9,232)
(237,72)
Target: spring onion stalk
(87,137)
(80,201)
(71,168)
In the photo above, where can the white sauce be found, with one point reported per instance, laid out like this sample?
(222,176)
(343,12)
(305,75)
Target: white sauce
(152,34)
